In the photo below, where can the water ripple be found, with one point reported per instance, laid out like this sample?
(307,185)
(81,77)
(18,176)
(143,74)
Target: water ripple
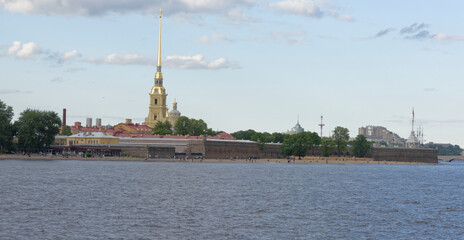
(127,200)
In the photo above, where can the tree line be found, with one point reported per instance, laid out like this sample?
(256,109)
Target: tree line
(301,143)
(184,126)
(35,130)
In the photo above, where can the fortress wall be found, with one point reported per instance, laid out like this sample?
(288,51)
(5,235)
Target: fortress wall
(161,152)
(271,151)
(135,151)
(404,154)
(144,151)
(231,149)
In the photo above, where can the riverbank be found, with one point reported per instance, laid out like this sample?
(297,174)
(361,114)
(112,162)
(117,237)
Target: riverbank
(306,160)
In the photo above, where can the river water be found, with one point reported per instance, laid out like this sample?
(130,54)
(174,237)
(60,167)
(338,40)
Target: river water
(167,200)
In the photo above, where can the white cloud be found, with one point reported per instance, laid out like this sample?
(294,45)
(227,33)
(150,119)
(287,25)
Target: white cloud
(32,50)
(236,16)
(215,37)
(197,62)
(309,8)
(291,38)
(299,7)
(446,37)
(203,39)
(101,7)
(24,51)
(127,59)
(57,80)
(71,54)
(181,62)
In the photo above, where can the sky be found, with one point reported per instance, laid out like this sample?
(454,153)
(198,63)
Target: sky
(242,64)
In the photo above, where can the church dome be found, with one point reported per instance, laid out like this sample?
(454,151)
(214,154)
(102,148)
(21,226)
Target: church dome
(174,112)
(158,90)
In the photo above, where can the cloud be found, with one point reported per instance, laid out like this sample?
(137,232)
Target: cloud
(181,62)
(214,37)
(309,8)
(418,31)
(420,35)
(127,59)
(343,18)
(298,7)
(32,50)
(24,51)
(57,80)
(58,58)
(413,28)
(103,7)
(197,62)
(446,37)
(291,38)
(13,91)
(71,54)
(383,32)
(203,39)
(236,16)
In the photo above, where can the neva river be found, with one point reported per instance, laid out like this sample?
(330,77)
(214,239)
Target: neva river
(156,200)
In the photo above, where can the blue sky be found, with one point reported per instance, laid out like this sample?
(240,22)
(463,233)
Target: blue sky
(244,64)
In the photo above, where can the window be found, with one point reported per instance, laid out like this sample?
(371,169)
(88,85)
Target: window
(156,117)
(156,101)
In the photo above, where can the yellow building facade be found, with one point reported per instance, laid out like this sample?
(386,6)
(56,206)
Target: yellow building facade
(91,138)
(157,109)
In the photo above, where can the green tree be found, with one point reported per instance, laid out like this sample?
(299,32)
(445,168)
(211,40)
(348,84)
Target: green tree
(327,146)
(197,127)
(445,149)
(360,146)
(66,131)
(162,128)
(6,127)
(37,129)
(192,127)
(243,134)
(182,126)
(341,136)
(211,132)
(278,137)
(261,137)
(299,144)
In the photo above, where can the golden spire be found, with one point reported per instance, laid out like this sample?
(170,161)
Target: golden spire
(159,75)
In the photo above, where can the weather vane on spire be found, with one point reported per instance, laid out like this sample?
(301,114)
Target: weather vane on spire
(161,12)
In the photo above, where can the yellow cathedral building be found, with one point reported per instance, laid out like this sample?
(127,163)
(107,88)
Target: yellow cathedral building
(157,109)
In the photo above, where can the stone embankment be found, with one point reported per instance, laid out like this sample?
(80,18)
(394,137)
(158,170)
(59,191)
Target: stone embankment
(307,160)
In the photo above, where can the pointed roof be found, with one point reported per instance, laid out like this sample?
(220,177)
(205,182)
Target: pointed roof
(159,75)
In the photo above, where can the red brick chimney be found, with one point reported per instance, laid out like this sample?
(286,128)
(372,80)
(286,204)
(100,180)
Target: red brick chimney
(64,117)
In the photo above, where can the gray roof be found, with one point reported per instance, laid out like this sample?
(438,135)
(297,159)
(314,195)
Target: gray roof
(92,135)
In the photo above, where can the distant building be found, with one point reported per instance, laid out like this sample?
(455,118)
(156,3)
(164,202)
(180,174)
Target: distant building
(296,129)
(129,129)
(381,135)
(412,141)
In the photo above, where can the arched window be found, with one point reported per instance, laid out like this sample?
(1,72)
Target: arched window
(156,117)
(156,101)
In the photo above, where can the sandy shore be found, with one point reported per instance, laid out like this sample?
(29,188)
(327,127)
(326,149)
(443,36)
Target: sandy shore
(306,160)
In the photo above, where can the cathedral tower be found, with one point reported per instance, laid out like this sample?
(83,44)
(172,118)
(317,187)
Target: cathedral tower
(157,110)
